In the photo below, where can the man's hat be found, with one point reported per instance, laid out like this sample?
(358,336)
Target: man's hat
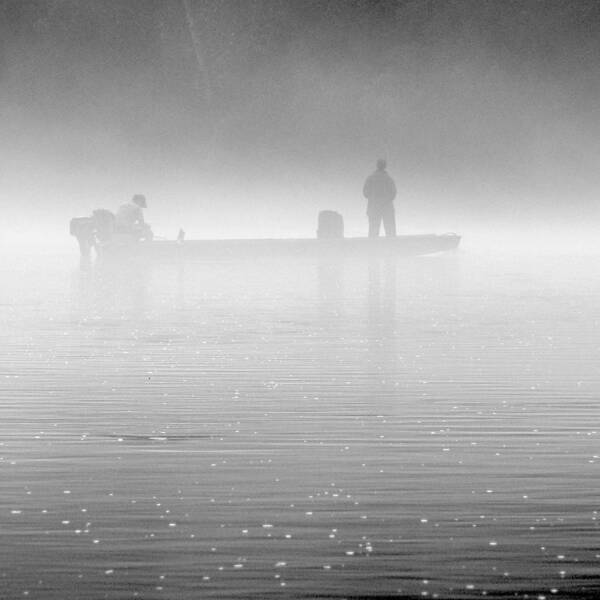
(140,200)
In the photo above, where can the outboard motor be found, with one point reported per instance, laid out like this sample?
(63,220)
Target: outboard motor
(83,229)
(331,225)
(94,230)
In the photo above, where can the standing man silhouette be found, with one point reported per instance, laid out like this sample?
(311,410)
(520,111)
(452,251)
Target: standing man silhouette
(380,191)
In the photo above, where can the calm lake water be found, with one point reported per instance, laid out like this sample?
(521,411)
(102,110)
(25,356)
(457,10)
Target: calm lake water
(423,427)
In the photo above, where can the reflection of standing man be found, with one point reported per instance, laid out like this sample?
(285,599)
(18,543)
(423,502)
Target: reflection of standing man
(380,191)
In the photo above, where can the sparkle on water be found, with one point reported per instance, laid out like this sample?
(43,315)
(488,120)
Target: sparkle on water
(406,428)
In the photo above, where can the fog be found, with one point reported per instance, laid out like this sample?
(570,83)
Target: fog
(411,416)
(485,111)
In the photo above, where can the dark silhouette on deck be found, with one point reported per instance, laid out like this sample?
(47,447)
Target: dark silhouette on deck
(103,226)
(130,218)
(331,225)
(380,191)
(94,230)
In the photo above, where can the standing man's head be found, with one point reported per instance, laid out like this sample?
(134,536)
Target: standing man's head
(140,200)
(381,164)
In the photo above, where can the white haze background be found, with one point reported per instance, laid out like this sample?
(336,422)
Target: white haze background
(487,114)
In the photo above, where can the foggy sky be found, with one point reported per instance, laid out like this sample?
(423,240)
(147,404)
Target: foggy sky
(487,112)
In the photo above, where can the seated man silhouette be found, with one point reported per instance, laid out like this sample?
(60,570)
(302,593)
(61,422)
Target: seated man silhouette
(130,218)
(380,191)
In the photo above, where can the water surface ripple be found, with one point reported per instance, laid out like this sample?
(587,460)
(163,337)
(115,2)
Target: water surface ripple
(303,429)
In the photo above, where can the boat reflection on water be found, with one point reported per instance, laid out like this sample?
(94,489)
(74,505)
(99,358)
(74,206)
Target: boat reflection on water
(382,296)
(390,281)
(111,287)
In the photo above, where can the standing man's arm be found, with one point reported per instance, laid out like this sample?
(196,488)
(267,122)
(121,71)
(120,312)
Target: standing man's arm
(367,188)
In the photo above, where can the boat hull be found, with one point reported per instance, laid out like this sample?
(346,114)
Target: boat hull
(402,245)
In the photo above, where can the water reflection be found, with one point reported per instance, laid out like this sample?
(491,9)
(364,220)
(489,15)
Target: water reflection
(382,295)
(113,288)
(347,426)
(390,283)
(330,274)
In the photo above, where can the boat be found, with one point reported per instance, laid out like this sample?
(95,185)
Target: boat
(98,231)
(401,245)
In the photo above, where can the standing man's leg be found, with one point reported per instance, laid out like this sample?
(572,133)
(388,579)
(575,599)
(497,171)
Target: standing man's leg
(374,224)
(389,220)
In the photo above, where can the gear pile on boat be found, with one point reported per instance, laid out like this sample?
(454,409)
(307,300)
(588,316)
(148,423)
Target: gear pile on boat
(125,228)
